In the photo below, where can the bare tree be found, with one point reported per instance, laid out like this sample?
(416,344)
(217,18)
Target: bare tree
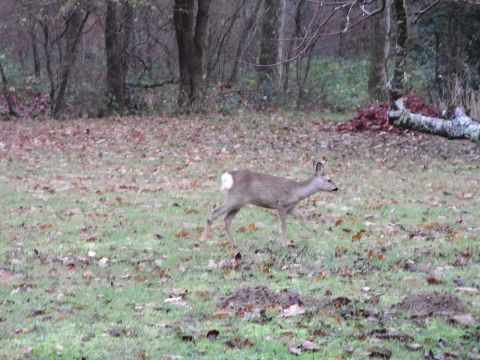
(118,30)
(67,41)
(7,93)
(268,43)
(191,36)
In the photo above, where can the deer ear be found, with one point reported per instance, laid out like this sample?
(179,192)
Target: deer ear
(318,167)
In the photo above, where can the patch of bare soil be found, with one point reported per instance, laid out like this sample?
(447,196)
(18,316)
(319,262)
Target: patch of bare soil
(258,296)
(263,297)
(430,303)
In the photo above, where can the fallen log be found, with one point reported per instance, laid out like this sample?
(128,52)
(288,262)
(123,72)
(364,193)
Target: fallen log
(460,127)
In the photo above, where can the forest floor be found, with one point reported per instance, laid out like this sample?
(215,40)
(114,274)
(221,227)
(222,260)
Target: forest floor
(101,259)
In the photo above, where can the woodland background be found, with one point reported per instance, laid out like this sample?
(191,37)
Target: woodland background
(93,58)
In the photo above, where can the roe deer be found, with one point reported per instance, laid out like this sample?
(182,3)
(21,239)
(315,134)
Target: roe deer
(247,187)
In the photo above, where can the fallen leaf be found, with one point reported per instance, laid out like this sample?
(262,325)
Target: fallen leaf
(377,352)
(414,346)
(88,275)
(23,288)
(238,343)
(221,314)
(357,236)
(432,280)
(251,227)
(182,233)
(212,334)
(292,310)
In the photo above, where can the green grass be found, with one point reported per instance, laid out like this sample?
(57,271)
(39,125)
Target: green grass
(137,192)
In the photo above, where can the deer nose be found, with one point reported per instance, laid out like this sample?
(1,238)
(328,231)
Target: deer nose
(336,189)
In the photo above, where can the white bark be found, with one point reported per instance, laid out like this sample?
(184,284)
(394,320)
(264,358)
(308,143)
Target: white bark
(460,127)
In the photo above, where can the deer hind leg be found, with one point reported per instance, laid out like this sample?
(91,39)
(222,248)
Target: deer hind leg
(228,224)
(216,213)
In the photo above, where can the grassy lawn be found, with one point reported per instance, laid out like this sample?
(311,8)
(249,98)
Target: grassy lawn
(100,252)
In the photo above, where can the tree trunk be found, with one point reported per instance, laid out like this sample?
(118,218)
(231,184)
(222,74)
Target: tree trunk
(248,29)
(268,44)
(73,34)
(115,47)
(376,73)
(7,93)
(36,59)
(190,49)
(342,35)
(396,87)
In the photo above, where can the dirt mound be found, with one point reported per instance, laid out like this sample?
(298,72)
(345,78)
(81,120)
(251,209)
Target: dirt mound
(258,296)
(430,303)
(375,118)
(262,297)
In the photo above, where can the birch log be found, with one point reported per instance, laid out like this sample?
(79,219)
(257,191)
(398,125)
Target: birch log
(460,127)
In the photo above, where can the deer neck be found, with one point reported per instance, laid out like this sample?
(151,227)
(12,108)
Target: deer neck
(306,188)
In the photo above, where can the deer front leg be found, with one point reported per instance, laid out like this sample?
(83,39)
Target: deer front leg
(282,213)
(228,224)
(216,213)
(301,218)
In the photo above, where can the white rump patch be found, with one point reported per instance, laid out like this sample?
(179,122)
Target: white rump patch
(227,182)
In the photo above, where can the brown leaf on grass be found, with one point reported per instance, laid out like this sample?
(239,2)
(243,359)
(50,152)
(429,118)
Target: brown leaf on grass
(221,314)
(88,275)
(414,346)
(338,222)
(394,335)
(432,280)
(202,294)
(357,236)
(238,343)
(227,245)
(251,227)
(139,278)
(377,352)
(341,301)
(23,288)
(182,233)
(187,337)
(292,310)
(375,254)
(191,211)
(45,226)
(241,229)
(212,334)
(179,292)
